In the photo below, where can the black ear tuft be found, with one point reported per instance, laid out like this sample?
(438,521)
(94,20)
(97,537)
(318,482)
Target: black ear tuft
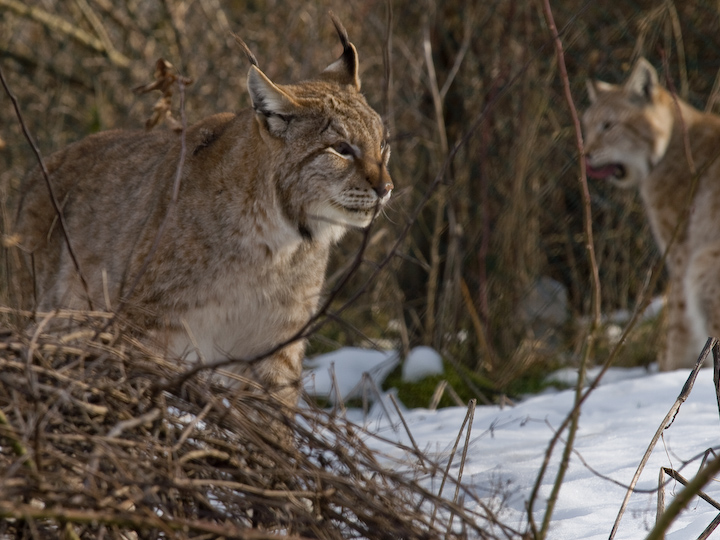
(342,33)
(345,68)
(246,50)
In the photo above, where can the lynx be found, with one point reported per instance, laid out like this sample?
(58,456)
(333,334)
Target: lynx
(263,196)
(639,134)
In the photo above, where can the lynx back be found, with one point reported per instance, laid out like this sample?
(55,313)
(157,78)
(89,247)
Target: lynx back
(639,134)
(239,269)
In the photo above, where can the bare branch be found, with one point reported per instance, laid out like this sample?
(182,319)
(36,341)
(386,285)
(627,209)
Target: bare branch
(61,25)
(48,183)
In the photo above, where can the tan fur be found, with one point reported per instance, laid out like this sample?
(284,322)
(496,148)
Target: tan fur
(263,195)
(641,127)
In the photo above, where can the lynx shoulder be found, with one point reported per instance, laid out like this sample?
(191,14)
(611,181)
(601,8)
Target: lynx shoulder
(639,135)
(239,268)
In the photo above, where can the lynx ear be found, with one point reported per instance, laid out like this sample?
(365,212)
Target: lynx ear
(643,80)
(595,88)
(344,69)
(592,93)
(276,105)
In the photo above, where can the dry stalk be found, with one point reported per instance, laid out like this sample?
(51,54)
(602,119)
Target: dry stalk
(336,387)
(101,32)
(368,381)
(441,195)
(683,498)
(54,22)
(437,395)
(716,372)
(679,42)
(224,471)
(471,407)
(407,430)
(596,298)
(468,417)
(8,431)
(666,422)
(487,355)
(680,478)
(48,183)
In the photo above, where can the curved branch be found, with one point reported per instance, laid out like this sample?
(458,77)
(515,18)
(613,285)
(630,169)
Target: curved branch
(59,24)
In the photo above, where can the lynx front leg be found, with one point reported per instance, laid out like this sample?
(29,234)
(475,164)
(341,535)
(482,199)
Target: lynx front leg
(681,348)
(281,374)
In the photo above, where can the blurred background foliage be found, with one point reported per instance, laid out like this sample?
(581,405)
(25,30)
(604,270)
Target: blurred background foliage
(493,272)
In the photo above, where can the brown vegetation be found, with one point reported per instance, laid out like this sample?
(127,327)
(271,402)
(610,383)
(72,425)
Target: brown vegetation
(94,444)
(486,203)
(471,95)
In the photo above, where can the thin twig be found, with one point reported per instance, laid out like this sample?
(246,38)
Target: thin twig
(339,400)
(132,423)
(9,432)
(189,428)
(460,56)
(471,412)
(139,522)
(683,127)
(369,381)
(468,415)
(407,430)
(97,25)
(666,422)
(680,478)
(437,394)
(485,349)
(48,183)
(61,25)
(595,282)
(683,498)
(716,373)
(677,30)
(439,224)
(388,112)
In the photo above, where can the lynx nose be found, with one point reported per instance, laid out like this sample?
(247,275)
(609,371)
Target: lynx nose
(380,182)
(383,188)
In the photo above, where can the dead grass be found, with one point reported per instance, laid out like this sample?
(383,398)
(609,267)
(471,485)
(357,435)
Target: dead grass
(91,448)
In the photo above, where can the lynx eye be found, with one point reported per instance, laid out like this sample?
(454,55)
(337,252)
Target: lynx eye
(344,149)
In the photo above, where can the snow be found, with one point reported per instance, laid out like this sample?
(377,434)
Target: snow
(348,366)
(420,363)
(507,446)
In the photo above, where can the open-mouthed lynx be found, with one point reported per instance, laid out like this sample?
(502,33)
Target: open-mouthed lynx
(639,134)
(263,195)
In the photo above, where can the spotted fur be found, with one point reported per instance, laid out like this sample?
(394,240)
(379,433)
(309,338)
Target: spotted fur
(263,195)
(635,137)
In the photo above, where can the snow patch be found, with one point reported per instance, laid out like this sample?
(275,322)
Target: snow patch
(421,362)
(348,366)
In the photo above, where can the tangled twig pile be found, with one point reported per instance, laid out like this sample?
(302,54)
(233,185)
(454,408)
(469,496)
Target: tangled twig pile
(90,447)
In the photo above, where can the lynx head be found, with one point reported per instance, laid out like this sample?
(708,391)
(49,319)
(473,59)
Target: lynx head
(327,145)
(627,127)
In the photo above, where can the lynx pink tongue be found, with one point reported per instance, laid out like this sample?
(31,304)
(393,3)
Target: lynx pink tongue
(601,172)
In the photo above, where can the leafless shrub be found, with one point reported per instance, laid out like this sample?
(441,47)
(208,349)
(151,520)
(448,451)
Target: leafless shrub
(89,446)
